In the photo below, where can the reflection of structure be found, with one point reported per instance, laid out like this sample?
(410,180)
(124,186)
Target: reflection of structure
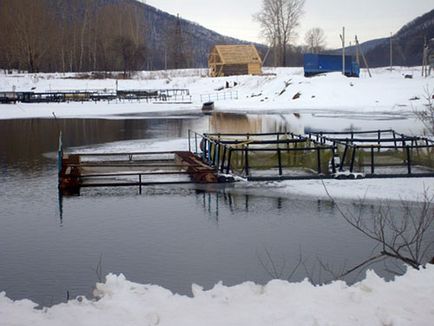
(212,202)
(216,202)
(228,60)
(242,123)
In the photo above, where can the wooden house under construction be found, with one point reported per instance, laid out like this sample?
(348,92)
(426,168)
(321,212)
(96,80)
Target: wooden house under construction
(229,60)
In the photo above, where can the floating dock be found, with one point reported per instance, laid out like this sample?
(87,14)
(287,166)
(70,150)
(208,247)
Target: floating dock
(317,155)
(136,169)
(220,158)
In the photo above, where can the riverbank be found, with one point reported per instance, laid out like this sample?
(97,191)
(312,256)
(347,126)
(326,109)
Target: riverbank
(281,90)
(373,301)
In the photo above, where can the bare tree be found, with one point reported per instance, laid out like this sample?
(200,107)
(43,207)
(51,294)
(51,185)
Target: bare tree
(407,238)
(26,21)
(279,20)
(315,40)
(426,116)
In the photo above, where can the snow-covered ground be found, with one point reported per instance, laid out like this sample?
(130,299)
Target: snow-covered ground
(405,301)
(387,92)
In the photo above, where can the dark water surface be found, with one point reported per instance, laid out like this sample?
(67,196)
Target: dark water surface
(172,236)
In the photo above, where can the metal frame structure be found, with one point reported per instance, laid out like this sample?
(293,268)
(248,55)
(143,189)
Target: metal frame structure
(343,148)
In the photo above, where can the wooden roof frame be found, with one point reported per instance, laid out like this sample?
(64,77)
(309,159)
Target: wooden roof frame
(221,55)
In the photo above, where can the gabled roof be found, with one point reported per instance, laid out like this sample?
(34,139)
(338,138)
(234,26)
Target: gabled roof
(237,54)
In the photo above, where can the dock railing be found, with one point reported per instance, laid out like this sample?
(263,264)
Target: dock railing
(244,154)
(219,96)
(371,154)
(381,153)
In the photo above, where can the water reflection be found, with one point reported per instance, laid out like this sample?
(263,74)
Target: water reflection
(25,140)
(254,123)
(212,201)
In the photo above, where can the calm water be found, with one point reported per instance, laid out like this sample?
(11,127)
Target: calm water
(172,236)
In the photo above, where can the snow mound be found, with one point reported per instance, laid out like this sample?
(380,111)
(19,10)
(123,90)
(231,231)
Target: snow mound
(405,301)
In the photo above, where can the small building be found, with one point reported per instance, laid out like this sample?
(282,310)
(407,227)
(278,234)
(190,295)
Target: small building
(229,60)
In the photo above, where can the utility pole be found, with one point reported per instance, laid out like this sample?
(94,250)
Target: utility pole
(165,58)
(425,59)
(343,50)
(357,50)
(391,52)
(363,56)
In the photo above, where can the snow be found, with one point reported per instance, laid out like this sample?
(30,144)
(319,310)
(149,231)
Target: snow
(387,92)
(405,301)
(396,189)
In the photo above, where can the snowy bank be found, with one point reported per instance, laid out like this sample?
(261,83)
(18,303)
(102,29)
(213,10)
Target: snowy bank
(405,301)
(393,189)
(281,90)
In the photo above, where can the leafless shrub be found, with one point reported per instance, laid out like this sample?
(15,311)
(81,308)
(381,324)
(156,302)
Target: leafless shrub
(278,270)
(426,116)
(405,238)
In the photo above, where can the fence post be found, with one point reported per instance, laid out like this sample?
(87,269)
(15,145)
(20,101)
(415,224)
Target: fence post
(222,167)
(204,147)
(195,141)
(333,159)
(216,153)
(379,140)
(229,161)
(279,156)
(246,153)
(372,160)
(408,159)
(344,156)
(140,184)
(189,138)
(353,157)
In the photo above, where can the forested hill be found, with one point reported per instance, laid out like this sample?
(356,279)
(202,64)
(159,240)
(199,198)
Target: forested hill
(94,35)
(407,44)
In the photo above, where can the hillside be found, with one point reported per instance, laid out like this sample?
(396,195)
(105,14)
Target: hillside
(198,39)
(407,44)
(100,35)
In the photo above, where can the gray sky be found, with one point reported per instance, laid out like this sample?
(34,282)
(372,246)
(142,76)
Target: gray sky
(368,19)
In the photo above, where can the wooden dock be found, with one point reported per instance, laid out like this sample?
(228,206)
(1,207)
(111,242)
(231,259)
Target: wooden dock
(135,169)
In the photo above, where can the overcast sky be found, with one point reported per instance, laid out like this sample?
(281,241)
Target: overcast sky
(368,19)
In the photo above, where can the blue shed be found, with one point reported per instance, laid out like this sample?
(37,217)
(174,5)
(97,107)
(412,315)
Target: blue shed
(315,64)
